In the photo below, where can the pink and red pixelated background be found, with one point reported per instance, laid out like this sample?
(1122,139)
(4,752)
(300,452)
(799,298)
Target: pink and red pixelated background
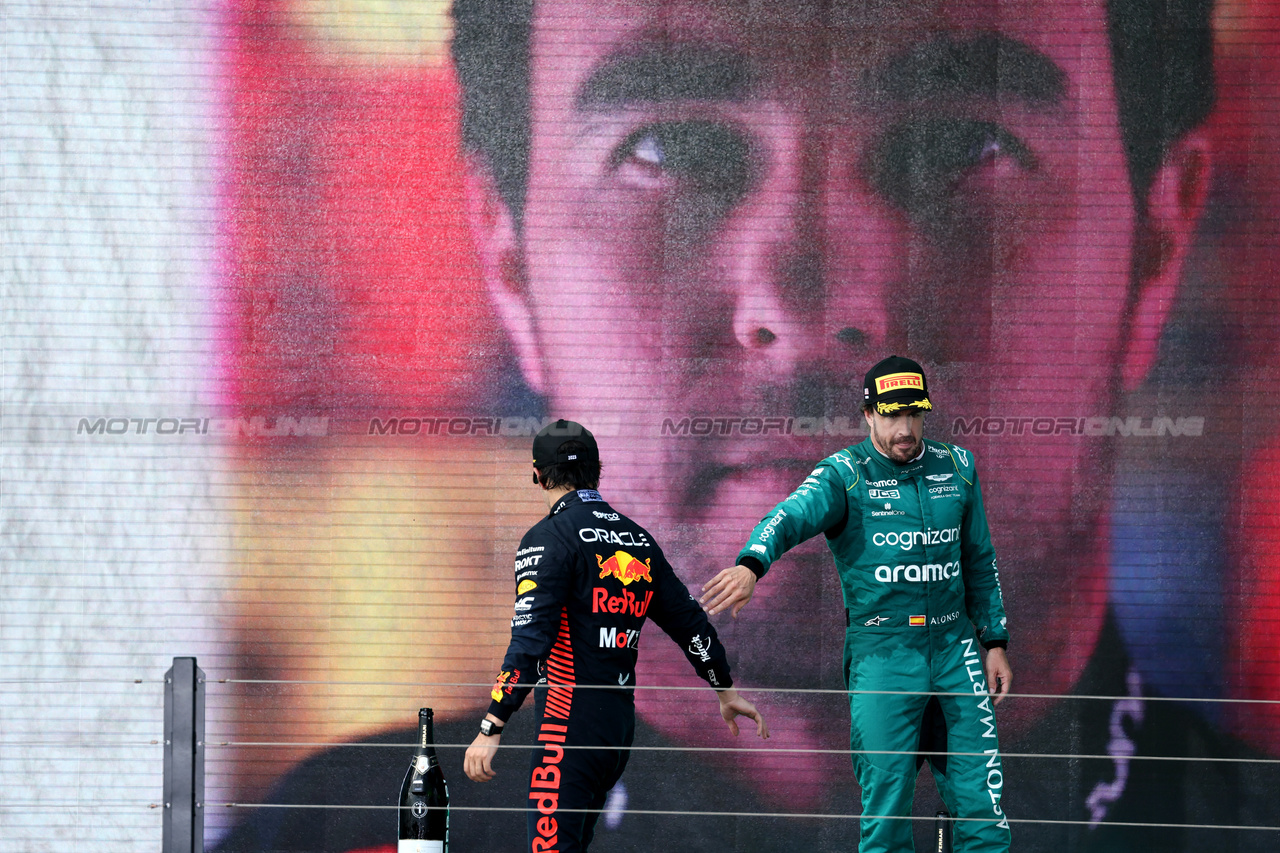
(353,286)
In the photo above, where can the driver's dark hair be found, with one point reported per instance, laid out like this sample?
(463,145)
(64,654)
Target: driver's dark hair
(582,474)
(1161,52)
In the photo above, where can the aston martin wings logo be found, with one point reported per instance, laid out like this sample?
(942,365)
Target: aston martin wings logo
(846,462)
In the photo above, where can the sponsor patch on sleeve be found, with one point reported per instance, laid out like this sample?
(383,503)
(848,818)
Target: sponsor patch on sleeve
(501,685)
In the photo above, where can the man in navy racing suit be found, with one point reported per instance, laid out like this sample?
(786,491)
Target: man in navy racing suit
(587,578)
(904,520)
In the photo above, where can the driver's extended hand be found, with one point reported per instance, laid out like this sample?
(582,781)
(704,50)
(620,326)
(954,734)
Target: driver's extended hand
(733,587)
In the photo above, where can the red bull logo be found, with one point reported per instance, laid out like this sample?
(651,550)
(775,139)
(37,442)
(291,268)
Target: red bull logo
(625,568)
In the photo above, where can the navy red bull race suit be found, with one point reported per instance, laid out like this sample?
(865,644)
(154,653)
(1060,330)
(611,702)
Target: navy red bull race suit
(921,592)
(587,578)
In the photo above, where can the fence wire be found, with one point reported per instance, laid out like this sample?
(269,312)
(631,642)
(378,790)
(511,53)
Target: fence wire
(12,805)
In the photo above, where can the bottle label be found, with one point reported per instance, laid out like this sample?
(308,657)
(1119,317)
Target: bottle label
(409,846)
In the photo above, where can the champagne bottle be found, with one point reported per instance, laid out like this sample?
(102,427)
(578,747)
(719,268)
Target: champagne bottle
(942,832)
(424,797)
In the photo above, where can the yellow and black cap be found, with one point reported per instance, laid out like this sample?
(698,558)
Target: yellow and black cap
(546,444)
(896,385)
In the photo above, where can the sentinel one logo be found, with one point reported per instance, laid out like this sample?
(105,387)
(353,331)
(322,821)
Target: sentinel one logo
(918,574)
(907,539)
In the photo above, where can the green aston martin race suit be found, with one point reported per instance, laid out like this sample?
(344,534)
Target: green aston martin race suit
(921,593)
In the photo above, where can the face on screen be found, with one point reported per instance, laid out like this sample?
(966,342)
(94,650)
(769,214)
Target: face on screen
(734,209)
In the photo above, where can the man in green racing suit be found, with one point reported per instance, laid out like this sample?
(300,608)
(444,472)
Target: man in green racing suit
(904,520)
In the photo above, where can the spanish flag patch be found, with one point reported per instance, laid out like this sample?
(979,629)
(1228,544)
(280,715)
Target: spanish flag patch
(915,621)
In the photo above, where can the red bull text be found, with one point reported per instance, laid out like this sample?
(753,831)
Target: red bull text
(628,603)
(544,788)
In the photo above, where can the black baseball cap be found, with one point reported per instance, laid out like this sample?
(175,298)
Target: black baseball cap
(549,439)
(896,384)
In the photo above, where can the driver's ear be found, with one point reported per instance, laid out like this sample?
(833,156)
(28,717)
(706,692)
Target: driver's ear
(1174,203)
(502,265)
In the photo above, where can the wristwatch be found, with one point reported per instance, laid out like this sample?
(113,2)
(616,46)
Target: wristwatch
(488,728)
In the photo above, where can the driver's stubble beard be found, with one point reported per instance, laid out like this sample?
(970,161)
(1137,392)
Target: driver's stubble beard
(883,441)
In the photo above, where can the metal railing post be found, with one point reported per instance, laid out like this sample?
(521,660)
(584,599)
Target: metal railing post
(183,758)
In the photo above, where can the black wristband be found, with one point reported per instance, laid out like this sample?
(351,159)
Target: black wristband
(756,567)
(996,644)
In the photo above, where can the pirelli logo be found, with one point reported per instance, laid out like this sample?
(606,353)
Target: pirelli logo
(894,381)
